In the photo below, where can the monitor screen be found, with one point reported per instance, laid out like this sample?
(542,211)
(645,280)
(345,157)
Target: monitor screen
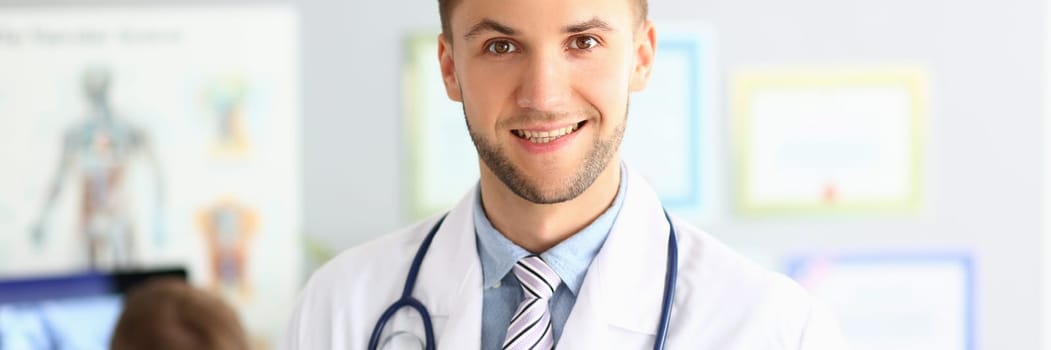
(66,312)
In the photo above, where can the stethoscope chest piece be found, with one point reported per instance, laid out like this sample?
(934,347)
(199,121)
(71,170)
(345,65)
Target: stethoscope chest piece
(402,340)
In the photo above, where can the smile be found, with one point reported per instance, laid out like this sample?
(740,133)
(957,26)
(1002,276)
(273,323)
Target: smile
(541,137)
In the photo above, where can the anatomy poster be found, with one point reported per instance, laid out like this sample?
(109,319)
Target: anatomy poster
(155,136)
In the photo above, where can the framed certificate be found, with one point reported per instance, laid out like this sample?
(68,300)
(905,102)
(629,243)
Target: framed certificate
(829,140)
(442,163)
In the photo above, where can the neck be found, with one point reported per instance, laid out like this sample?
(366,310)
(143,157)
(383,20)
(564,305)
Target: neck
(102,111)
(538,227)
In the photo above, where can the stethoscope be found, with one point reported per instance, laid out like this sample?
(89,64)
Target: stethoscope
(410,282)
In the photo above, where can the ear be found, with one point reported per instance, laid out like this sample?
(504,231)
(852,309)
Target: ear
(445,59)
(645,49)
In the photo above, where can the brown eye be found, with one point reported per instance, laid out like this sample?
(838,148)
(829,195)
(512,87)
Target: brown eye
(501,47)
(584,42)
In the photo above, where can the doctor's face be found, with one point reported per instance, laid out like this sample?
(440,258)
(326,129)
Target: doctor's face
(544,86)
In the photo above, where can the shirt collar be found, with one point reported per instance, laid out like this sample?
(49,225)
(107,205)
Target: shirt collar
(570,259)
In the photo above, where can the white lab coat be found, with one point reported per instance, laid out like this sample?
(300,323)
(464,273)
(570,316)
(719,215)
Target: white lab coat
(722,301)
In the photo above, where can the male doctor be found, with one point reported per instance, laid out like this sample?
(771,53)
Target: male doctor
(560,244)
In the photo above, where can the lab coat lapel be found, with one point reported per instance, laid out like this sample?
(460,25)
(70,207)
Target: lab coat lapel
(624,286)
(587,326)
(450,280)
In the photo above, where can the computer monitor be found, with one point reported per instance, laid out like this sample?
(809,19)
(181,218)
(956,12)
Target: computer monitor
(75,311)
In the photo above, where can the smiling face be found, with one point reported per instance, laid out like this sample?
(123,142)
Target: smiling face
(545,86)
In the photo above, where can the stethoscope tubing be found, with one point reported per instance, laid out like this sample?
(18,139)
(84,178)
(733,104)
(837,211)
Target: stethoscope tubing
(406,300)
(671,272)
(406,296)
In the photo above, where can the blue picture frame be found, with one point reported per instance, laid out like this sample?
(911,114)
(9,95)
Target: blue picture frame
(691,47)
(795,267)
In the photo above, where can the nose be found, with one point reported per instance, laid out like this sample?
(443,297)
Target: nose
(544,84)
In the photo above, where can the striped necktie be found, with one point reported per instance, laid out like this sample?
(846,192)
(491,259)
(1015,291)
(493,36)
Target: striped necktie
(530,326)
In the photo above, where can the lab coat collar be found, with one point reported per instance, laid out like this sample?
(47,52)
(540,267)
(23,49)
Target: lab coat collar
(625,284)
(623,288)
(450,281)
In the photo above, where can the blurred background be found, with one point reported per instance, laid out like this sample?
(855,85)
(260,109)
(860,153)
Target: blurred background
(889,155)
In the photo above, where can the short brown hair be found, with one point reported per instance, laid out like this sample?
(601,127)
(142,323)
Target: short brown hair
(169,314)
(445,8)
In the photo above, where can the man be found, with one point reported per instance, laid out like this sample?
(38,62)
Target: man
(560,244)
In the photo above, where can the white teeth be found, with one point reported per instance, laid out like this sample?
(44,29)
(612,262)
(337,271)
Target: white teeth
(545,136)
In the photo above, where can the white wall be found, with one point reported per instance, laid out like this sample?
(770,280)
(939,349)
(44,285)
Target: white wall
(1046,247)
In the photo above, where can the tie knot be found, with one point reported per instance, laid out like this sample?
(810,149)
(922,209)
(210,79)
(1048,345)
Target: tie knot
(537,279)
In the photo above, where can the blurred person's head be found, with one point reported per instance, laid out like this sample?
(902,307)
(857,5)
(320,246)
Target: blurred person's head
(169,314)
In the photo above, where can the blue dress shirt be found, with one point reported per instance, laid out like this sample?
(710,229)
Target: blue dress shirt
(569,259)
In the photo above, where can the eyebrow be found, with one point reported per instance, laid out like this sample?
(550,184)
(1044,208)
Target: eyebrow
(488,25)
(492,25)
(593,23)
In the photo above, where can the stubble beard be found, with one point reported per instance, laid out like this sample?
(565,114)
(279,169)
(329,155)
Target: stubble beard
(595,161)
